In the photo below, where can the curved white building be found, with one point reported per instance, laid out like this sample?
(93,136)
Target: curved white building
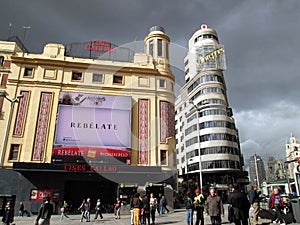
(219,162)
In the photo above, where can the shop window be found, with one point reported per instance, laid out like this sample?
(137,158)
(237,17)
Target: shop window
(162,83)
(117,79)
(28,72)
(14,152)
(98,78)
(163,157)
(76,76)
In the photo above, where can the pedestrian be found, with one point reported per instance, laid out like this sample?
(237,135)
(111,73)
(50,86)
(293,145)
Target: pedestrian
(45,212)
(146,210)
(131,210)
(117,208)
(63,210)
(189,206)
(137,205)
(98,209)
(8,214)
(254,201)
(82,210)
(214,207)
(275,202)
(153,207)
(240,206)
(21,209)
(163,205)
(199,203)
(87,208)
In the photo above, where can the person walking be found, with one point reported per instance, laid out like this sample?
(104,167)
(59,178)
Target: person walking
(137,205)
(275,202)
(188,202)
(199,203)
(21,209)
(117,209)
(240,206)
(146,210)
(98,209)
(214,207)
(8,214)
(254,201)
(63,210)
(45,212)
(87,208)
(163,205)
(82,210)
(153,206)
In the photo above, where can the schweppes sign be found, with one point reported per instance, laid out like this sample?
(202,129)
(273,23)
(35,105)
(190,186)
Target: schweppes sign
(211,56)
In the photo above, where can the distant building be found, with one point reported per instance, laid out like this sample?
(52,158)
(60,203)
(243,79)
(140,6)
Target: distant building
(276,169)
(292,150)
(257,170)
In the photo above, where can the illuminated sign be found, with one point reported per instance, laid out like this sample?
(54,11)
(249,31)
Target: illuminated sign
(40,194)
(99,46)
(89,168)
(212,55)
(92,127)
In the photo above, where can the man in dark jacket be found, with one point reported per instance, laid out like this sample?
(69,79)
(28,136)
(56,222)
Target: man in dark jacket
(240,206)
(254,201)
(45,212)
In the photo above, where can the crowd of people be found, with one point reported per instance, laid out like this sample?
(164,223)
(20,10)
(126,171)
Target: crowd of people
(143,208)
(240,205)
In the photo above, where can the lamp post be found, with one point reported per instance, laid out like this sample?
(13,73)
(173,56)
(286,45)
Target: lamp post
(12,103)
(256,170)
(198,131)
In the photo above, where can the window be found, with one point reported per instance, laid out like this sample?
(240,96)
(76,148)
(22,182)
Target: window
(1,103)
(76,76)
(98,78)
(1,60)
(159,47)
(28,72)
(14,152)
(151,47)
(162,83)
(163,157)
(118,79)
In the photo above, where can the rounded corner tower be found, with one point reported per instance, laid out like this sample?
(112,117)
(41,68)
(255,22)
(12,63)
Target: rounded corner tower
(207,139)
(157,45)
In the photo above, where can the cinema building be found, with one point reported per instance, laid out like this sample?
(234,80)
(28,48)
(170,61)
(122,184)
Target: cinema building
(78,120)
(208,149)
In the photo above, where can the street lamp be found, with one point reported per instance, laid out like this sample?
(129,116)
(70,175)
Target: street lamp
(256,170)
(198,130)
(12,103)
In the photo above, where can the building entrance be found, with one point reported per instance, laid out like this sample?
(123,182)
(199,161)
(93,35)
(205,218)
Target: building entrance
(76,191)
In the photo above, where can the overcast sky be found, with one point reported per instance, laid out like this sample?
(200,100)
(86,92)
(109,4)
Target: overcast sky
(261,39)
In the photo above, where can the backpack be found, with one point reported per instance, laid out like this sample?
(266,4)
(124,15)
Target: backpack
(188,203)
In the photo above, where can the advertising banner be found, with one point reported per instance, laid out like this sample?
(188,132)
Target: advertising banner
(92,128)
(40,194)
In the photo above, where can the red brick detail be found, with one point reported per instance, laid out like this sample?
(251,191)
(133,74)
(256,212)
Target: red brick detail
(21,115)
(167,120)
(4,78)
(42,126)
(143,131)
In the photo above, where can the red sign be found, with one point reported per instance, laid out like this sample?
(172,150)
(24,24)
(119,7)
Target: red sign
(40,194)
(99,46)
(90,168)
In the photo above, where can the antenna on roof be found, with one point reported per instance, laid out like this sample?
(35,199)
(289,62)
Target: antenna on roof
(25,32)
(9,29)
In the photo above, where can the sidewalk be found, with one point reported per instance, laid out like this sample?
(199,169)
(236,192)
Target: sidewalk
(176,218)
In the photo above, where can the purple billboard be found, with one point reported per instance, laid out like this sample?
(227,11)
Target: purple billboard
(88,122)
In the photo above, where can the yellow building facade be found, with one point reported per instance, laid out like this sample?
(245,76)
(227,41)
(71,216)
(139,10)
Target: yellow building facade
(79,116)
